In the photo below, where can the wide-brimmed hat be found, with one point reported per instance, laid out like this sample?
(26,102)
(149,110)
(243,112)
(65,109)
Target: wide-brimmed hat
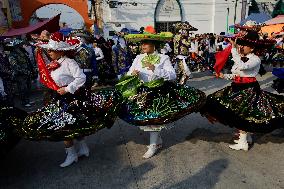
(58,42)
(249,26)
(184,26)
(149,35)
(252,39)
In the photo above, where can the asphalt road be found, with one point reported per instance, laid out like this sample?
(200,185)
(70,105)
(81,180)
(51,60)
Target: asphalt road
(195,155)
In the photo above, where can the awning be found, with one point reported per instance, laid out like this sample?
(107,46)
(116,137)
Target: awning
(51,25)
(272,28)
(259,18)
(277,20)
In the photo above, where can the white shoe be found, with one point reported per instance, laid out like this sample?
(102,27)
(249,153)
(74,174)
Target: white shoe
(240,146)
(152,149)
(242,143)
(249,139)
(82,149)
(155,144)
(71,157)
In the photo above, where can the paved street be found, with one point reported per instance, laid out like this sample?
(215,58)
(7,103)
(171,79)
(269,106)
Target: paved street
(195,155)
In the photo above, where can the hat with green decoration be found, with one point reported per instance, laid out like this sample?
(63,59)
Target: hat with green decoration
(149,35)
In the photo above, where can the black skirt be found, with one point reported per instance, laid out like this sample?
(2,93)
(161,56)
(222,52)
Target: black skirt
(70,116)
(246,107)
(161,105)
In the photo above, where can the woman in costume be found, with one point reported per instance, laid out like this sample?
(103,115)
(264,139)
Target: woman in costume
(121,55)
(152,99)
(73,112)
(244,105)
(181,51)
(106,72)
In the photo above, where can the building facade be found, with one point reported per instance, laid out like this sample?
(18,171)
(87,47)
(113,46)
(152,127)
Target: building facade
(209,16)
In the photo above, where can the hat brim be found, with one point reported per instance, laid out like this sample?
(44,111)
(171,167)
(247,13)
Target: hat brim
(188,29)
(184,26)
(82,35)
(50,46)
(164,36)
(248,28)
(260,44)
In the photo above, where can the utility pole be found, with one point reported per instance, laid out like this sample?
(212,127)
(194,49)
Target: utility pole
(93,10)
(244,9)
(228,13)
(235,15)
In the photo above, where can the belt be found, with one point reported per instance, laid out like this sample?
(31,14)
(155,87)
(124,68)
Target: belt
(87,70)
(239,79)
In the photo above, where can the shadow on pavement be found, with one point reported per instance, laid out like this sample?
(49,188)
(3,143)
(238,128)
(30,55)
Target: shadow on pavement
(207,177)
(209,136)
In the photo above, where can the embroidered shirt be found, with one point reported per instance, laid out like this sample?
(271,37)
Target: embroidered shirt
(163,69)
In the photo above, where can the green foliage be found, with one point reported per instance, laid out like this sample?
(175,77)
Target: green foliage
(278,9)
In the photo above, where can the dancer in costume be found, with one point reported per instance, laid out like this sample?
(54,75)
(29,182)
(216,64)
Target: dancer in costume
(152,99)
(85,56)
(106,73)
(73,112)
(181,51)
(121,55)
(23,70)
(244,105)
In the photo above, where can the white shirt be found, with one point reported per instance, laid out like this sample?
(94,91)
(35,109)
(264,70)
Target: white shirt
(99,53)
(68,74)
(194,47)
(244,69)
(164,69)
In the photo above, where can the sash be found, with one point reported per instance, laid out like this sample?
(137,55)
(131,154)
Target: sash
(44,74)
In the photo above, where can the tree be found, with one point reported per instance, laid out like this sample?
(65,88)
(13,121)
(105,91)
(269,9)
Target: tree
(253,8)
(278,9)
